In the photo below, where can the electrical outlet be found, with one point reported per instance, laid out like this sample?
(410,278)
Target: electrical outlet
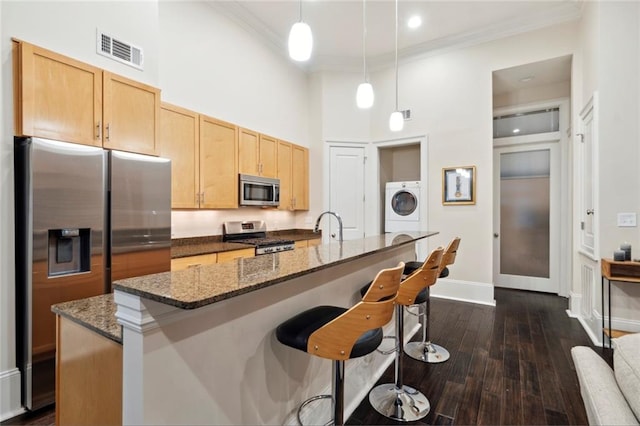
(626,220)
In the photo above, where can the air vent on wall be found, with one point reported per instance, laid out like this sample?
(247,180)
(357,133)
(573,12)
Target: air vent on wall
(119,50)
(406,114)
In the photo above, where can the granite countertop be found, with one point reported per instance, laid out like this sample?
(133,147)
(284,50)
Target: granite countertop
(97,313)
(193,246)
(206,284)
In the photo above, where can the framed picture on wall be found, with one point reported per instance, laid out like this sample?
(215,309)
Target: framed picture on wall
(459,185)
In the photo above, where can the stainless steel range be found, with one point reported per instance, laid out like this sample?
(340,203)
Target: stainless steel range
(255,234)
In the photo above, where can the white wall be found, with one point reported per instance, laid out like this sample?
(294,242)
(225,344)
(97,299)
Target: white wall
(619,136)
(450,97)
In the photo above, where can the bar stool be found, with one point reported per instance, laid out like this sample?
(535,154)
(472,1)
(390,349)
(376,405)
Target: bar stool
(425,350)
(398,401)
(339,334)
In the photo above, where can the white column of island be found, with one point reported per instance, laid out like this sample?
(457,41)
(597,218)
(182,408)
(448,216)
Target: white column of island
(199,345)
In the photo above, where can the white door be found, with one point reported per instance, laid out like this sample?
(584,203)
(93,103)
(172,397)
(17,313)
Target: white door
(527,217)
(346,191)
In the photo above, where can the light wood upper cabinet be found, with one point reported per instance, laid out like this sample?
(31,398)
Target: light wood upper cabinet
(300,177)
(293,172)
(248,152)
(131,112)
(59,98)
(284,174)
(179,140)
(268,156)
(56,97)
(257,154)
(218,164)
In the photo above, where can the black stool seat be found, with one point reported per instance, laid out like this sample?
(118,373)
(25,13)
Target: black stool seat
(420,298)
(410,267)
(295,332)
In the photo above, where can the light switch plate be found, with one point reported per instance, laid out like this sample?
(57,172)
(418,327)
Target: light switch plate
(626,220)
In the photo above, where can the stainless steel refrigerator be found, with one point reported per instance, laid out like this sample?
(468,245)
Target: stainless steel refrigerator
(84,217)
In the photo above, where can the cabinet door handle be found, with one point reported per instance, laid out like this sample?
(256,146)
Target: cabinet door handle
(202,197)
(590,211)
(108,134)
(99,130)
(197,198)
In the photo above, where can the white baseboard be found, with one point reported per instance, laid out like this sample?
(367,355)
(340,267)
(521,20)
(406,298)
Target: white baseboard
(464,291)
(10,405)
(575,304)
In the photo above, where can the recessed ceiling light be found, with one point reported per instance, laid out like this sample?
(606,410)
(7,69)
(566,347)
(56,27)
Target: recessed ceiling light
(526,79)
(414,22)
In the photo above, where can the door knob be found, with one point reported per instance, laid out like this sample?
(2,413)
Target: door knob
(495,235)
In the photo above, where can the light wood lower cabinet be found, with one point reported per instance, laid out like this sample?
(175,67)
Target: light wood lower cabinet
(314,242)
(88,376)
(181,263)
(227,256)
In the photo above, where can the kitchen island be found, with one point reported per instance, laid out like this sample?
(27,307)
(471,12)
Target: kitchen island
(199,345)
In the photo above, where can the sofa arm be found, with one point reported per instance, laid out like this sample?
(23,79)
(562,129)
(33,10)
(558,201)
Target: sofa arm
(603,400)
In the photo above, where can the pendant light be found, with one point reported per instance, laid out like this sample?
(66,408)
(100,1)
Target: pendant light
(396,120)
(300,40)
(364,94)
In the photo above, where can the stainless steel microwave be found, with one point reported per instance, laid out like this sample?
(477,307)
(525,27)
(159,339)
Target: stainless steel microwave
(259,191)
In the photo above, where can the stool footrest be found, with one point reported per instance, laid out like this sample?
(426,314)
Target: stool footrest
(404,404)
(392,350)
(426,352)
(309,401)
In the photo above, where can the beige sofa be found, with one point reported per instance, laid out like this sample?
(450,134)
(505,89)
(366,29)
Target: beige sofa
(611,397)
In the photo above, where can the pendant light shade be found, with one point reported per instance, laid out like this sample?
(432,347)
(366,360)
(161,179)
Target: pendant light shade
(396,120)
(300,40)
(364,94)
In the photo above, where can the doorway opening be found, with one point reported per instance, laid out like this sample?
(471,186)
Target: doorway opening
(532,227)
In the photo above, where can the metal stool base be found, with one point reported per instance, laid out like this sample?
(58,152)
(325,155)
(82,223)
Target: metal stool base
(403,405)
(426,352)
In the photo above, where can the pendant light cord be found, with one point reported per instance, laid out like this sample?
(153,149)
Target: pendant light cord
(396,55)
(364,38)
(300,11)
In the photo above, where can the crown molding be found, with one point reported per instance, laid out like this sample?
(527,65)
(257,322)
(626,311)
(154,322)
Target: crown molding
(560,13)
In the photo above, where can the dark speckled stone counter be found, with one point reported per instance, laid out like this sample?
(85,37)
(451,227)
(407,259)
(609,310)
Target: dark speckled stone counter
(183,247)
(206,284)
(96,313)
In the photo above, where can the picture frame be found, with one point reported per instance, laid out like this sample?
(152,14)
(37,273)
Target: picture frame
(459,185)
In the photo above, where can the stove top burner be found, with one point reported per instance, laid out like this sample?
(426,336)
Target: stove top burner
(255,234)
(264,242)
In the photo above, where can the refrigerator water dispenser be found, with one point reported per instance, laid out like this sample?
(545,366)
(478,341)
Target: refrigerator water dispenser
(69,251)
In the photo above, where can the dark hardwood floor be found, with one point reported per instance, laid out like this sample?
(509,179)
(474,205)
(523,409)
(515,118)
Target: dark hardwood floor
(510,365)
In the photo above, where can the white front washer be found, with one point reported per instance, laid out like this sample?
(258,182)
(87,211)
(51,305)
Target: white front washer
(402,206)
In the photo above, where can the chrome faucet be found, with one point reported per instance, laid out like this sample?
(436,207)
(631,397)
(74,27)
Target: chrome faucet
(317,227)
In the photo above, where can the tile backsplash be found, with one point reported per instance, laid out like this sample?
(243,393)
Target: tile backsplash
(196,223)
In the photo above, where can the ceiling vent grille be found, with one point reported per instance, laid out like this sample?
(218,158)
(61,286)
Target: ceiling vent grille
(119,50)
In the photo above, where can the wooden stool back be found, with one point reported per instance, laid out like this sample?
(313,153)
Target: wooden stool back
(449,256)
(424,276)
(335,339)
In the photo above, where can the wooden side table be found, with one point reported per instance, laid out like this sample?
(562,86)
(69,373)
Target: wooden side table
(613,270)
